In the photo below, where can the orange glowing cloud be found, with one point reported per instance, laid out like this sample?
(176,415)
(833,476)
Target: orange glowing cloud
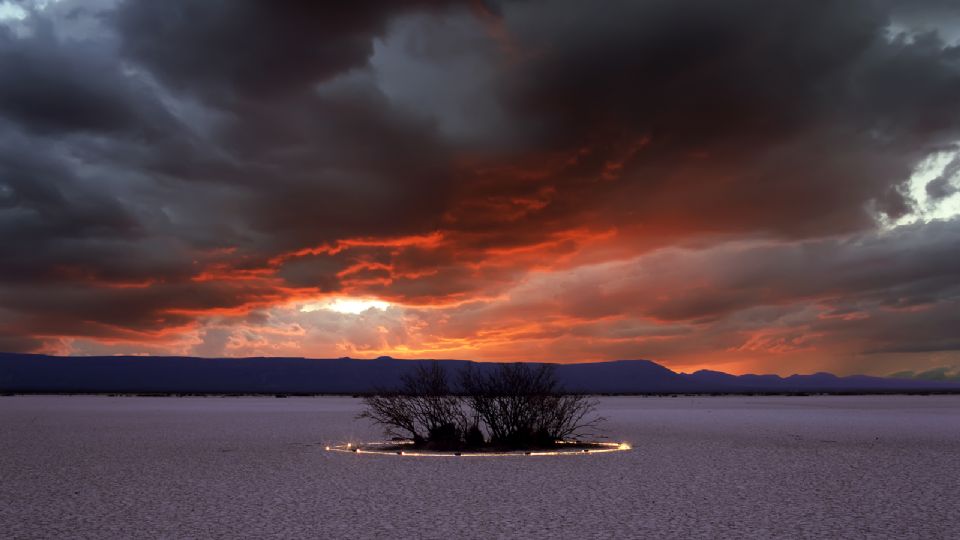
(490,182)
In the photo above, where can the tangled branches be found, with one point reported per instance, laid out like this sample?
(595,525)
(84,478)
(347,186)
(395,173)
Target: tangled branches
(508,406)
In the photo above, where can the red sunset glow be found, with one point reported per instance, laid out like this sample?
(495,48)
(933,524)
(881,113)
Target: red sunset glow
(488,182)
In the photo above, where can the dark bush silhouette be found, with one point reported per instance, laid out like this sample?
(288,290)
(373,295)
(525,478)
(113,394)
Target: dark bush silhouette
(523,405)
(473,438)
(423,409)
(510,406)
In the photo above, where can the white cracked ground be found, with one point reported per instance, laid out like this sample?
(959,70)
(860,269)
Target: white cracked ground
(254,467)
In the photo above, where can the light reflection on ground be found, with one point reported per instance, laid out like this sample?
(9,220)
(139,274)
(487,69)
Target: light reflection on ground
(380,448)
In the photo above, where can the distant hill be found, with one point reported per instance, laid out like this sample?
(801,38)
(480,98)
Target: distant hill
(40,373)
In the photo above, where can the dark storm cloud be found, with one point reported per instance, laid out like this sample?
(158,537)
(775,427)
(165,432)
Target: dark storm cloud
(936,374)
(49,218)
(910,267)
(63,309)
(789,117)
(252,48)
(894,291)
(171,158)
(314,149)
(314,271)
(109,182)
(340,164)
(50,86)
(699,118)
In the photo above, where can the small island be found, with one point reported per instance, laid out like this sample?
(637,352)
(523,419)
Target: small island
(502,409)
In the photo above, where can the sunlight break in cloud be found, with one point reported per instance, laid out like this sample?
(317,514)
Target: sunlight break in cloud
(533,181)
(352,306)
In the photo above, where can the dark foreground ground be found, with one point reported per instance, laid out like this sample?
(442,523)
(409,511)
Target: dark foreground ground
(254,467)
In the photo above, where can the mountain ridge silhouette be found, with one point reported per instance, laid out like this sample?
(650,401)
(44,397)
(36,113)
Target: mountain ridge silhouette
(186,374)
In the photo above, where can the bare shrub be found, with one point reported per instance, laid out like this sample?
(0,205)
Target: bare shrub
(518,405)
(423,409)
(523,405)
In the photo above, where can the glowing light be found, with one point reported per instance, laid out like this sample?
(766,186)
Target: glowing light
(372,448)
(352,306)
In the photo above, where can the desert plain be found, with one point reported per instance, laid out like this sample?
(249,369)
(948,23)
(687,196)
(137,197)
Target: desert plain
(699,467)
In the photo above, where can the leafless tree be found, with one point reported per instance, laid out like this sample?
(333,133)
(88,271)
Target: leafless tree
(518,405)
(394,411)
(424,408)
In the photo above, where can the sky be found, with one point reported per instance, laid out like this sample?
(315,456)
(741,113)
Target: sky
(746,186)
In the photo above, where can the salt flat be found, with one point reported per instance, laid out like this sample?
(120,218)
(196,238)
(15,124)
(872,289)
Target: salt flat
(254,467)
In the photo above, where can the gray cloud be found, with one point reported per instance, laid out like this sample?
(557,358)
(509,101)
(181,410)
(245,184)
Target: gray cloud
(151,150)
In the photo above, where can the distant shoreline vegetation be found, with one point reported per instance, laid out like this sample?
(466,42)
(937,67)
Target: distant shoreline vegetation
(514,407)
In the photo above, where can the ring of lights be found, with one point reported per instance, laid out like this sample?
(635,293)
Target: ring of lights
(391,449)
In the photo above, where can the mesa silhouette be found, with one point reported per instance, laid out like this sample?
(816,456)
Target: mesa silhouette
(179,374)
